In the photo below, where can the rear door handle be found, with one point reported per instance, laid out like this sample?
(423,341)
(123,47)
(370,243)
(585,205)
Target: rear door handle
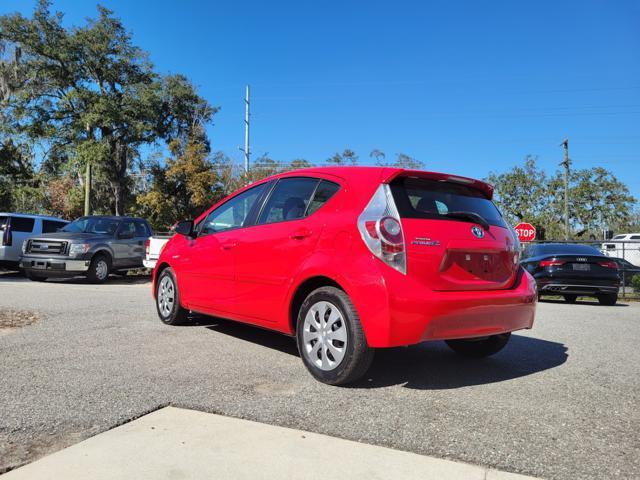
(229,245)
(301,234)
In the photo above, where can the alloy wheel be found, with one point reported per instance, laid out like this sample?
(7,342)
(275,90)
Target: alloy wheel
(166,296)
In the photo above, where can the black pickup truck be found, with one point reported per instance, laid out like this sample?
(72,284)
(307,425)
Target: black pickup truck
(92,246)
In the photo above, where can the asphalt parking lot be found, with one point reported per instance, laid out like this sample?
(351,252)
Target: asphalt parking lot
(560,401)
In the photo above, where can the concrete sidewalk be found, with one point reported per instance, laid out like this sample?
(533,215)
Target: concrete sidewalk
(174,443)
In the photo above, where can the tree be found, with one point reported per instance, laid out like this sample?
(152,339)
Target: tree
(347,157)
(378,155)
(186,186)
(405,161)
(88,91)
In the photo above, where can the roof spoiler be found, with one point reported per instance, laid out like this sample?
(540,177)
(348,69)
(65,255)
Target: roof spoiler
(390,174)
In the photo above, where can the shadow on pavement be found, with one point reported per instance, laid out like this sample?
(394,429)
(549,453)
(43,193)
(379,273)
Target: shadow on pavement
(429,366)
(18,277)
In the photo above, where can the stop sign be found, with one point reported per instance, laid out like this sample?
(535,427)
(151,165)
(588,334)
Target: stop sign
(526,232)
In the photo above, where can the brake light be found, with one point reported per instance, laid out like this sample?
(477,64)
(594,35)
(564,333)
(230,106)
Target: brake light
(147,248)
(551,263)
(381,230)
(7,237)
(609,264)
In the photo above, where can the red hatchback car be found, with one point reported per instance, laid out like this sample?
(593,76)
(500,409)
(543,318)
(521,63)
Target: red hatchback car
(350,259)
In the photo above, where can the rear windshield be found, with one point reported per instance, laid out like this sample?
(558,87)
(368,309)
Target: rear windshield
(422,198)
(560,249)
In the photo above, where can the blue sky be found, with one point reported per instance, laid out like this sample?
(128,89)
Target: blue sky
(467,87)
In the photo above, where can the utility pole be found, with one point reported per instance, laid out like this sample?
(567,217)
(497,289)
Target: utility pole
(87,181)
(246,132)
(566,163)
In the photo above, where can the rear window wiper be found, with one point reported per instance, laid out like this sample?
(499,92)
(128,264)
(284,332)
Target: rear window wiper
(474,217)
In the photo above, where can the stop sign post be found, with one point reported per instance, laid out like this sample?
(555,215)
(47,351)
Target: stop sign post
(526,232)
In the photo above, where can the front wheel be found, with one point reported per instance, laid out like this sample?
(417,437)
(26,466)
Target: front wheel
(478,348)
(609,299)
(99,269)
(330,337)
(168,299)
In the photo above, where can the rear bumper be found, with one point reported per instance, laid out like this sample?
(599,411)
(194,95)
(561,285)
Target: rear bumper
(54,266)
(416,316)
(557,286)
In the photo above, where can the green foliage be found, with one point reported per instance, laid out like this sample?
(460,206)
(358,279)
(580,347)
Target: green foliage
(347,157)
(597,200)
(89,94)
(402,160)
(635,283)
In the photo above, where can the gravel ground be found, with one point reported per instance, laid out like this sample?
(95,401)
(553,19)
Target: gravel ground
(561,401)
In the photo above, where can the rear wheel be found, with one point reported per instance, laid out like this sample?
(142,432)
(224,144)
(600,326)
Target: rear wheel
(99,268)
(168,299)
(330,338)
(570,298)
(478,348)
(35,277)
(609,299)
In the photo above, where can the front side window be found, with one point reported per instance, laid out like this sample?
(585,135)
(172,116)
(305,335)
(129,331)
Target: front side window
(50,226)
(233,213)
(289,200)
(127,227)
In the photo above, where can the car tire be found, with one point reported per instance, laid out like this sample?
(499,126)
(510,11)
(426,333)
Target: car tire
(99,268)
(608,299)
(35,277)
(330,338)
(168,299)
(479,348)
(570,298)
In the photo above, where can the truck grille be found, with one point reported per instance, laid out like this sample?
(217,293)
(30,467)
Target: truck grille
(46,247)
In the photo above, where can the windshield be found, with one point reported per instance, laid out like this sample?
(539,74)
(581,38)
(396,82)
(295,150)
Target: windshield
(422,198)
(92,225)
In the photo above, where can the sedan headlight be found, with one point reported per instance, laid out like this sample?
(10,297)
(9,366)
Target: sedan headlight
(77,249)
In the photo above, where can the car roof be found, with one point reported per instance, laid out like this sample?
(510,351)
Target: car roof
(387,175)
(32,215)
(113,217)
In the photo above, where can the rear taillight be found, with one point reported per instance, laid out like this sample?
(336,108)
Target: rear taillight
(7,238)
(147,248)
(551,263)
(381,229)
(609,264)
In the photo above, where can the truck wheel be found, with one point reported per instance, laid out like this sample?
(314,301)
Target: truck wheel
(168,299)
(330,338)
(35,278)
(570,298)
(99,268)
(479,348)
(609,299)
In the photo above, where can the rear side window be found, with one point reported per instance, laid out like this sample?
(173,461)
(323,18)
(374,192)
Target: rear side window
(289,200)
(635,237)
(324,192)
(3,222)
(141,229)
(423,198)
(22,224)
(50,226)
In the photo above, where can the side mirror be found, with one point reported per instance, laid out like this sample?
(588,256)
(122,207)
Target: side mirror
(184,228)
(125,235)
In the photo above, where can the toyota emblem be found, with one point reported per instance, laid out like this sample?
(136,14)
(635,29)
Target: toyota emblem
(477,231)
